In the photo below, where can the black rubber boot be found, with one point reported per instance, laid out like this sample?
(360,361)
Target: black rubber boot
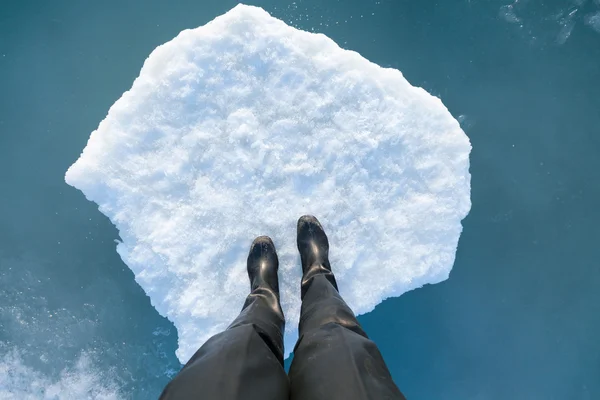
(314,251)
(262,265)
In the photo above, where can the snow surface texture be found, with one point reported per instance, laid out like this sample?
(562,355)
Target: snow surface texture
(559,18)
(237,128)
(83,381)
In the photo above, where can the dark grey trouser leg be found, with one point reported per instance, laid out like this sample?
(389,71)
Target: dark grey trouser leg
(243,362)
(334,359)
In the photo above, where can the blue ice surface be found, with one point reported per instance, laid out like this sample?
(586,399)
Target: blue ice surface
(518,317)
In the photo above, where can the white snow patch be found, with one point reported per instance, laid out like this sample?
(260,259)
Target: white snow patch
(237,128)
(593,21)
(21,382)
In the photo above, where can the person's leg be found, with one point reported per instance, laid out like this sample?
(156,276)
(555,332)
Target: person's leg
(333,359)
(246,360)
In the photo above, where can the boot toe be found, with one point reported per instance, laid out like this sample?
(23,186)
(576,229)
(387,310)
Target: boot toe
(263,241)
(262,250)
(307,221)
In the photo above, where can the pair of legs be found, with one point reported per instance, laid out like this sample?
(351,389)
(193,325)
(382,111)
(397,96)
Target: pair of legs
(333,358)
